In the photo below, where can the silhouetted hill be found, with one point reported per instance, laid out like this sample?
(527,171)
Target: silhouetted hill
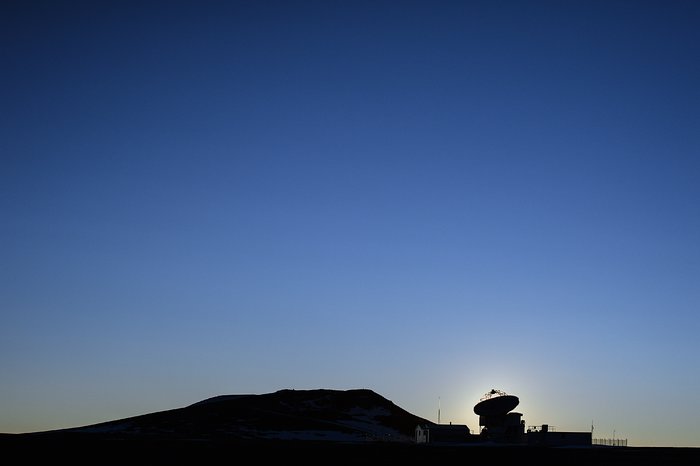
(359,415)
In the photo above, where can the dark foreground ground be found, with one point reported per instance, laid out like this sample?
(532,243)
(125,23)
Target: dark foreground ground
(73,450)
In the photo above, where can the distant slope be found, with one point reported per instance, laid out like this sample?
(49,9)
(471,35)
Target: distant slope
(358,415)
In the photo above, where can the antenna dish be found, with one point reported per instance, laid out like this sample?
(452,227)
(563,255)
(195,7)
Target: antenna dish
(496,403)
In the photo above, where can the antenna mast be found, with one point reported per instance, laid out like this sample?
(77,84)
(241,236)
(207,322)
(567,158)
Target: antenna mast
(438,410)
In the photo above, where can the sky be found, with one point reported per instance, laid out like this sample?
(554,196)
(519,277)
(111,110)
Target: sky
(429,199)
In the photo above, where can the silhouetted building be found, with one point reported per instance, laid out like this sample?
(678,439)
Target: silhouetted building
(499,424)
(544,437)
(509,428)
(442,433)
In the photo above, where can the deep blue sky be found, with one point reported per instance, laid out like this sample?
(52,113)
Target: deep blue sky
(428,199)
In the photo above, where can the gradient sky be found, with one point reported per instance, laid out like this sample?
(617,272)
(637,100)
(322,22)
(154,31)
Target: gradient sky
(429,199)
